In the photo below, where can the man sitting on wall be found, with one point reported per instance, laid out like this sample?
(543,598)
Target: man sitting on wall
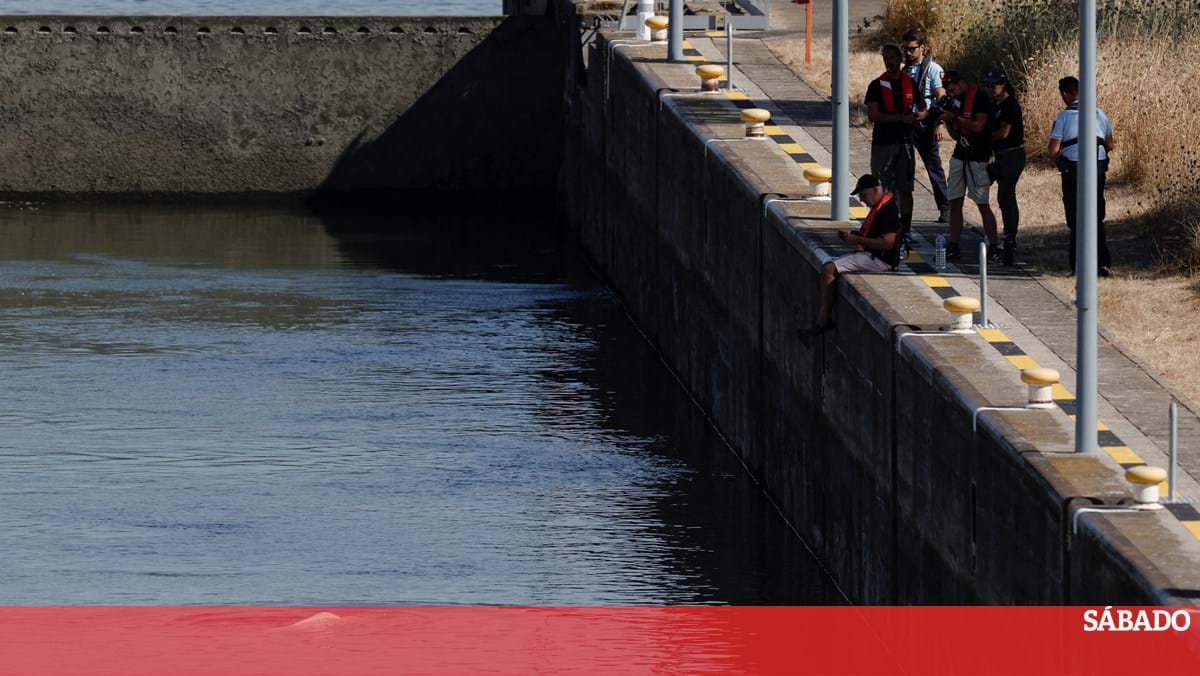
(878,237)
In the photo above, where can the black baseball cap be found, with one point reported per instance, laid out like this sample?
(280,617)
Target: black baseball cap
(865,182)
(995,76)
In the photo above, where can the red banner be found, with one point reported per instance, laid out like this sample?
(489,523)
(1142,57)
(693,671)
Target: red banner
(514,639)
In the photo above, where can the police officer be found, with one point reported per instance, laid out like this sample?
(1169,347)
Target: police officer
(1063,150)
(920,66)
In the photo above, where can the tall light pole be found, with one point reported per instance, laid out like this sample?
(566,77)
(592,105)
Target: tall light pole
(840,188)
(675,32)
(1086,236)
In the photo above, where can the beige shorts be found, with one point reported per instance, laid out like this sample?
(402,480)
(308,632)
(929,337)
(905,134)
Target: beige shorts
(969,179)
(860,262)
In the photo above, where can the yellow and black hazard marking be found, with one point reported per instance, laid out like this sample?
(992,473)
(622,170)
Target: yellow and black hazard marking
(1108,440)
(1187,514)
(691,53)
(774,132)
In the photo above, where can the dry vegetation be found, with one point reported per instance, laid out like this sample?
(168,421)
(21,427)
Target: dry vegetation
(1147,65)
(865,62)
(1035,40)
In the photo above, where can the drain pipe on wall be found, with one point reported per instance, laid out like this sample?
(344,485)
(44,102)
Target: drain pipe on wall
(1041,382)
(655,27)
(961,309)
(613,46)
(1144,481)
(710,76)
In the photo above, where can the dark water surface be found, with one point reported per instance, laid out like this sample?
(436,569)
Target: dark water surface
(263,406)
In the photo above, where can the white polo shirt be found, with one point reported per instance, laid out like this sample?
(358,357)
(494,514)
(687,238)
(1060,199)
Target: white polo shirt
(1066,127)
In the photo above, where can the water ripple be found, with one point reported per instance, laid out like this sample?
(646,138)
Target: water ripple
(303,425)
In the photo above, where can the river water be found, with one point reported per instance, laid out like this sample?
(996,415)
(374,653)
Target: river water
(261,405)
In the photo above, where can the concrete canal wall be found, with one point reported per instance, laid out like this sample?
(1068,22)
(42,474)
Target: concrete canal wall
(865,439)
(200,105)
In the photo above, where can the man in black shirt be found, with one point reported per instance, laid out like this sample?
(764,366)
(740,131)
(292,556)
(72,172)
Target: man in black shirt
(968,125)
(893,105)
(879,238)
(1008,145)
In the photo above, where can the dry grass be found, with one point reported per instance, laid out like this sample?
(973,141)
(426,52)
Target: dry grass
(1153,207)
(975,34)
(944,22)
(1035,41)
(1167,342)
(865,63)
(1149,121)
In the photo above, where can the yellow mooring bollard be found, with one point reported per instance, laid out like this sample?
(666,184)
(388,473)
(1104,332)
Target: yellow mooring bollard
(755,120)
(818,181)
(710,77)
(961,309)
(1146,480)
(1041,382)
(658,28)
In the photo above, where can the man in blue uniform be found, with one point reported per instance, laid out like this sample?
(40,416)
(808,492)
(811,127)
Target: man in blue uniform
(927,74)
(1063,150)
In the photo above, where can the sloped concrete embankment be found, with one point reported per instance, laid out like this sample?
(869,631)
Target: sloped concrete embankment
(868,449)
(138,106)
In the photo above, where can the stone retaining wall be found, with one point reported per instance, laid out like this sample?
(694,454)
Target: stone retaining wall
(864,439)
(93,106)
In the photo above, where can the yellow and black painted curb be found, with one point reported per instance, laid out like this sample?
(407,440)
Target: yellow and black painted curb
(774,132)
(1108,440)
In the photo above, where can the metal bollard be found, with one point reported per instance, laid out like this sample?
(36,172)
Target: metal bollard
(1174,446)
(729,53)
(818,181)
(983,250)
(645,10)
(755,120)
(658,28)
(1041,382)
(1145,480)
(961,309)
(710,77)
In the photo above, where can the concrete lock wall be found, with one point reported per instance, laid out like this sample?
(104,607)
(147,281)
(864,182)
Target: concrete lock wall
(178,105)
(868,449)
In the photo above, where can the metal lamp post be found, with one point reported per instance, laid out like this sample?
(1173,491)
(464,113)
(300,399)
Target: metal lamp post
(1086,226)
(840,187)
(675,32)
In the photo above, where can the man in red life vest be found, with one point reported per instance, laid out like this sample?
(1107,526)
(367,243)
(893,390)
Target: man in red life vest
(879,237)
(893,106)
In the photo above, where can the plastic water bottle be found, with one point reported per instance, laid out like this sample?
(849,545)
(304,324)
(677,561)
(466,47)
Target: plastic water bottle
(939,253)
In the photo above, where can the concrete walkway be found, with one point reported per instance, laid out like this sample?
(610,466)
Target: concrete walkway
(1037,324)
(788,17)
